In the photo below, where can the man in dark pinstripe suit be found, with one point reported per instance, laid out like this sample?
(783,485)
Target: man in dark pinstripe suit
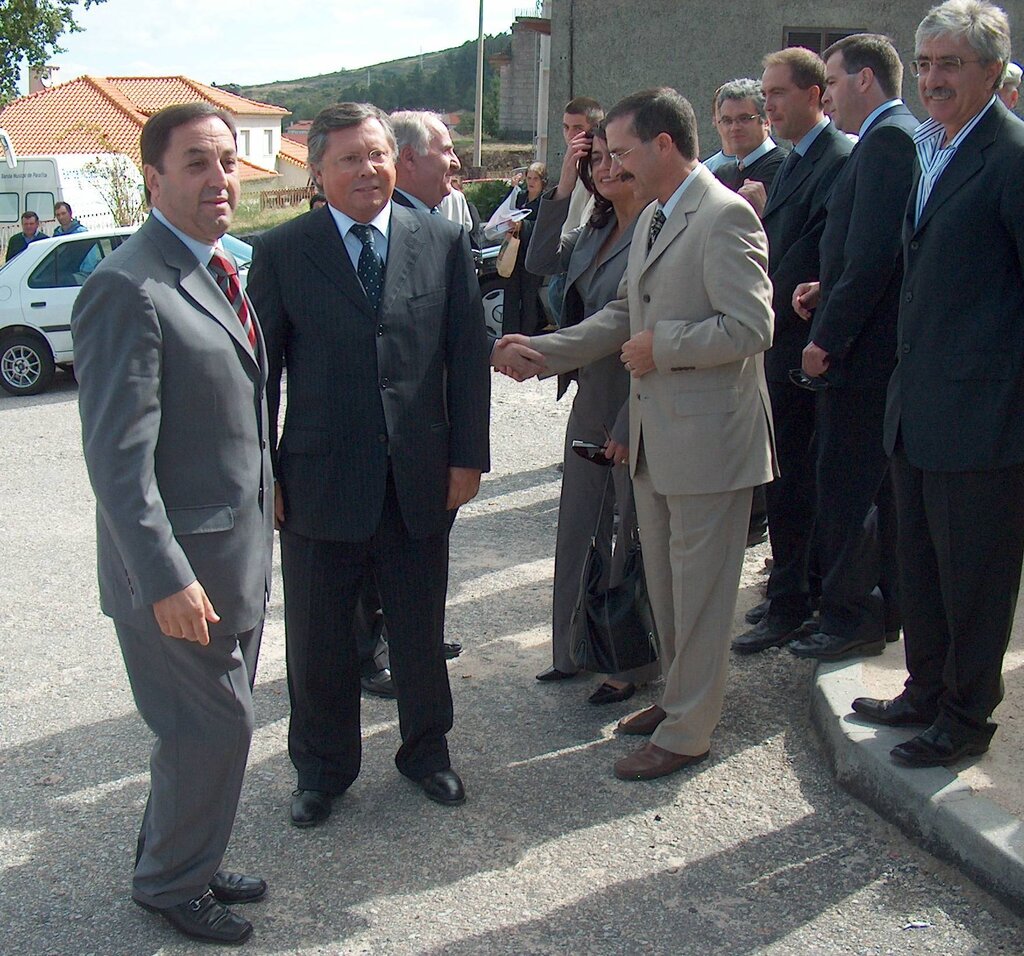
(376,313)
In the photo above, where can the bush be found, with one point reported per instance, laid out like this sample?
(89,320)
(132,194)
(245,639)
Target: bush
(487,195)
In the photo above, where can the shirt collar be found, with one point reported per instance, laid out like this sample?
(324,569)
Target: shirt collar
(811,135)
(673,200)
(754,155)
(415,200)
(203,251)
(931,129)
(381,222)
(875,113)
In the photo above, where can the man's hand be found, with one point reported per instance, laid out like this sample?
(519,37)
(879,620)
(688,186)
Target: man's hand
(184,614)
(806,297)
(638,354)
(579,146)
(755,194)
(616,452)
(513,356)
(278,505)
(815,360)
(463,484)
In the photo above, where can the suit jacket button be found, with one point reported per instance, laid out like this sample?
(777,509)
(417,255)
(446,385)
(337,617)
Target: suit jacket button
(385,382)
(647,297)
(380,329)
(382,439)
(915,245)
(909,297)
(906,347)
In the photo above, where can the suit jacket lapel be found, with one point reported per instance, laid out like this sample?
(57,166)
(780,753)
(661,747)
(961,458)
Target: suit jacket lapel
(802,169)
(402,253)
(326,250)
(675,223)
(587,247)
(967,162)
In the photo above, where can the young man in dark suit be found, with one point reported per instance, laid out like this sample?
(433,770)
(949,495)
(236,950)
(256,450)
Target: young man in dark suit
(853,343)
(953,420)
(375,311)
(793,214)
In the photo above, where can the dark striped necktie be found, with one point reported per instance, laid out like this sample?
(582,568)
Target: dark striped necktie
(225,272)
(370,268)
(657,221)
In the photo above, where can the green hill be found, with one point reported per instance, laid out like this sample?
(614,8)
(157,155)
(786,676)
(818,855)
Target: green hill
(444,81)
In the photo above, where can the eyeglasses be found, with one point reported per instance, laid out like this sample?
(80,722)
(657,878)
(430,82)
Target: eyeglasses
(353,161)
(744,119)
(945,64)
(617,155)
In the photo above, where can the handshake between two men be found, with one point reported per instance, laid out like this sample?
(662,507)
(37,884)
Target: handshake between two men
(514,356)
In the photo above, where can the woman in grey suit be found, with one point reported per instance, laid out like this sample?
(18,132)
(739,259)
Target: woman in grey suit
(594,259)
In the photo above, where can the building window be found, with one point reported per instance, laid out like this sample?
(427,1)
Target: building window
(816,39)
(243,142)
(269,133)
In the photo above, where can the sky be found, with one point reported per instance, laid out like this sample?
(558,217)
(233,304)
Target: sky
(259,41)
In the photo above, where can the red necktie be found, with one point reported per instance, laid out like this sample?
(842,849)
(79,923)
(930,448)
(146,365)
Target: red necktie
(226,273)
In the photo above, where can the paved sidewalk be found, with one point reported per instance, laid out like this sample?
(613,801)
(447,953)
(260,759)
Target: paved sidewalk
(970,814)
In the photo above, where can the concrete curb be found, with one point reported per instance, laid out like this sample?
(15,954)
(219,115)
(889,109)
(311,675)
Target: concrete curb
(933,806)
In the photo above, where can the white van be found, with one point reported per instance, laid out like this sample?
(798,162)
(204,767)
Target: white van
(79,179)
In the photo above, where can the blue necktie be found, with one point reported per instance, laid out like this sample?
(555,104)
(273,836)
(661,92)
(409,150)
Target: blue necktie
(370,268)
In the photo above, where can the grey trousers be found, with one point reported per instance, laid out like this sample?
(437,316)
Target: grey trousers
(198,702)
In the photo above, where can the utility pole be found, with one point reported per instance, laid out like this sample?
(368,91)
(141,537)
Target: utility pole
(479,115)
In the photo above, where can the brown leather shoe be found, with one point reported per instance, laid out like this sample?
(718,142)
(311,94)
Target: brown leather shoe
(652,761)
(642,723)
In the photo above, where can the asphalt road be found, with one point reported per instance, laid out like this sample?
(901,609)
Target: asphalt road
(758,852)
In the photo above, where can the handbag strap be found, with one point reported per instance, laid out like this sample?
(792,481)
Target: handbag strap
(604,498)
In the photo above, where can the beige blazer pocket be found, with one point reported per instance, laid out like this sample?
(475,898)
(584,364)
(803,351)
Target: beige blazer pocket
(719,401)
(201,520)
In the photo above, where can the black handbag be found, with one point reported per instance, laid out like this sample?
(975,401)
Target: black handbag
(612,629)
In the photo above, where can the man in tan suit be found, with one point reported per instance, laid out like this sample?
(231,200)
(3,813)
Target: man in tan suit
(692,319)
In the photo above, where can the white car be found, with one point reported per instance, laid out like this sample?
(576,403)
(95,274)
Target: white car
(38,289)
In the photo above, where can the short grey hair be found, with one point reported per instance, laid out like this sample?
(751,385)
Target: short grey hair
(984,26)
(742,89)
(343,116)
(415,128)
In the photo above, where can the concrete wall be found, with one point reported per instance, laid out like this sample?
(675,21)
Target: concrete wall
(609,48)
(517,105)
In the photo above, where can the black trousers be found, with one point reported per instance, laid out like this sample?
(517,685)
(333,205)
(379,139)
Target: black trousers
(961,544)
(790,499)
(855,533)
(322,583)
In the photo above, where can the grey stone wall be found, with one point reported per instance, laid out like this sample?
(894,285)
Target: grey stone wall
(608,48)
(517,105)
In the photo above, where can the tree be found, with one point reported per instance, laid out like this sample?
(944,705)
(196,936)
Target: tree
(29,30)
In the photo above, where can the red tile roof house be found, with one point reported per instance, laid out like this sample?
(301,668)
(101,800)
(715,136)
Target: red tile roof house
(106,115)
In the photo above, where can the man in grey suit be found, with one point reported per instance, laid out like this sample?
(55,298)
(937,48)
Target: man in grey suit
(172,373)
(375,311)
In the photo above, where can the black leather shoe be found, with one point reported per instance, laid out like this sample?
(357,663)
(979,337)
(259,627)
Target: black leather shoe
(237,888)
(610,694)
(937,747)
(553,673)
(204,918)
(379,684)
(444,786)
(452,649)
(310,807)
(898,712)
(891,637)
(756,614)
(768,632)
(831,647)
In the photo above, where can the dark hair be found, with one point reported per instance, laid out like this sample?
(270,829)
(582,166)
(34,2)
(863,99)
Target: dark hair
(67,206)
(344,116)
(585,106)
(156,134)
(657,111)
(28,214)
(603,210)
(315,198)
(806,68)
(874,52)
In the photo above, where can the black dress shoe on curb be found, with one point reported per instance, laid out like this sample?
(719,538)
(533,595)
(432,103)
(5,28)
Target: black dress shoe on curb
(553,673)
(205,919)
(937,747)
(444,786)
(237,888)
(756,614)
(610,694)
(891,637)
(768,632)
(898,712)
(310,807)
(379,684)
(820,646)
(452,649)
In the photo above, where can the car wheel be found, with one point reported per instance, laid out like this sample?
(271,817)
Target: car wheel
(492,291)
(26,364)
